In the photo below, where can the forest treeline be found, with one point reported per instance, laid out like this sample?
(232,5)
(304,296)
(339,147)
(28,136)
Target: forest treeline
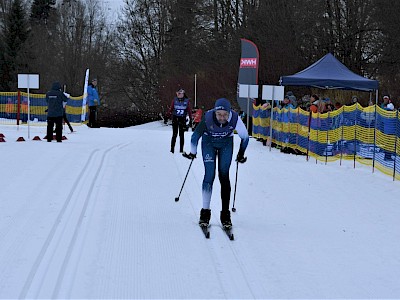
(151,47)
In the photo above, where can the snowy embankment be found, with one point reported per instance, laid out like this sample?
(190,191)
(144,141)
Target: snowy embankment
(95,217)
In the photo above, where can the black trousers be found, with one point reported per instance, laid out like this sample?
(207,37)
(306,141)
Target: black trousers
(66,121)
(50,125)
(178,124)
(92,116)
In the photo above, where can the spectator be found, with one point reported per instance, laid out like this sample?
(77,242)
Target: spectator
(180,108)
(266,105)
(287,102)
(55,99)
(293,99)
(321,105)
(197,116)
(387,103)
(388,127)
(93,102)
(354,100)
(286,118)
(257,101)
(328,105)
(216,131)
(304,102)
(314,101)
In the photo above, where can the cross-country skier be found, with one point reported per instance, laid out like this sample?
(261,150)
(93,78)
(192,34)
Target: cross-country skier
(216,130)
(180,108)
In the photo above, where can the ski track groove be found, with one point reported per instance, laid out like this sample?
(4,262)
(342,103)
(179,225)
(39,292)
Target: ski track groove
(78,188)
(211,252)
(65,291)
(219,269)
(50,236)
(117,232)
(79,224)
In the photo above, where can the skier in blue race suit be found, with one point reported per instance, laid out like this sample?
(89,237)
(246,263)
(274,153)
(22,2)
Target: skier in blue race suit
(180,108)
(216,130)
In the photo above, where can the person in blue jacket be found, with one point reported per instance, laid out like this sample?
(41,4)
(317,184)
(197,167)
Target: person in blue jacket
(216,130)
(93,100)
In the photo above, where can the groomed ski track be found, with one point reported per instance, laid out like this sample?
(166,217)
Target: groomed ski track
(111,228)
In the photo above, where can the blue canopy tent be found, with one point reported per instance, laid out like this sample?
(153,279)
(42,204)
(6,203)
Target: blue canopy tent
(330,73)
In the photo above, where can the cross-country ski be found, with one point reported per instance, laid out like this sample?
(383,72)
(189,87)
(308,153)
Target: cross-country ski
(205,231)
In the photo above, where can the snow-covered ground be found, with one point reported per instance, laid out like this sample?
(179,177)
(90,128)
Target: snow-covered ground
(95,217)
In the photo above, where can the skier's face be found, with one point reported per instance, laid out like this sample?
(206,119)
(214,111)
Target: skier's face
(180,94)
(222,116)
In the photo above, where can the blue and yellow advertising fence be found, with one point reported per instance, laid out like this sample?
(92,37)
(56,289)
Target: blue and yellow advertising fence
(14,108)
(368,135)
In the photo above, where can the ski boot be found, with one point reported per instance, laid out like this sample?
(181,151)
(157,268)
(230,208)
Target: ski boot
(226,219)
(205,215)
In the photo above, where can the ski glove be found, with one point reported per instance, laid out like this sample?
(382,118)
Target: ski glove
(240,158)
(189,155)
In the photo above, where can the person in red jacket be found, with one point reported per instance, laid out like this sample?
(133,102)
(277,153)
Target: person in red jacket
(180,108)
(197,116)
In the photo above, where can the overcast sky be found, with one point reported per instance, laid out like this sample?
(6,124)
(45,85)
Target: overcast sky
(114,5)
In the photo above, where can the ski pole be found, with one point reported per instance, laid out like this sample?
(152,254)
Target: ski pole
(187,173)
(234,194)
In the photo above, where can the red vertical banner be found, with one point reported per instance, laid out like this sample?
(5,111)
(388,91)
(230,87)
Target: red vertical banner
(248,69)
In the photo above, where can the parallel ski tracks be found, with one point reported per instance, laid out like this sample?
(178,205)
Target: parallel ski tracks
(46,275)
(238,285)
(218,238)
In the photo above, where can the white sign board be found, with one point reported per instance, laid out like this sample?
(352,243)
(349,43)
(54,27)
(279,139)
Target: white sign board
(273,92)
(267,92)
(28,81)
(243,90)
(248,90)
(253,91)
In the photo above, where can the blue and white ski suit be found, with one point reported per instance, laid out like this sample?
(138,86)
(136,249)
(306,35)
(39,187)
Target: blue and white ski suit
(217,142)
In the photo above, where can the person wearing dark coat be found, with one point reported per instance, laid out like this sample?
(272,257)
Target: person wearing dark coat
(55,99)
(180,108)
